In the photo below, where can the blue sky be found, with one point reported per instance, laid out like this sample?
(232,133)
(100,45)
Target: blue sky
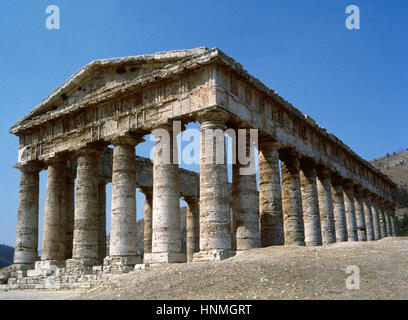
(352,82)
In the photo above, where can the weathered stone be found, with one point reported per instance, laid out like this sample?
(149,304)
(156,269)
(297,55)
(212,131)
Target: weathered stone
(310,203)
(70,215)
(360,216)
(368,216)
(339,209)
(270,194)
(350,211)
(381,215)
(291,199)
(101,220)
(193,228)
(325,205)
(376,217)
(148,231)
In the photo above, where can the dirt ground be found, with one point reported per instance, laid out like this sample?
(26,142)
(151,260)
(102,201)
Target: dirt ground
(266,273)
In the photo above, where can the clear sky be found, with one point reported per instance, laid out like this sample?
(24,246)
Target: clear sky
(352,82)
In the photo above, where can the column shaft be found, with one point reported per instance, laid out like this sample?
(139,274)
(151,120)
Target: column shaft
(350,212)
(326,206)
(147,231)
(310,204)
(193,229)
(69,218)
(26,245)
(292,199)
(387,221)
(53,240)
(270,195)
(245,206)
(381,215)
(368,216)
(339,210)
(102,221)
(360,218)
(376,218)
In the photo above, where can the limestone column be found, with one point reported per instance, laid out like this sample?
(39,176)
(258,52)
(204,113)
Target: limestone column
(325,205)
(376,217)
(53,240)
(368,215)
(350,211)
(215,220)
(26,245)
(85,242)
(291,198)
(270,194)
(193,228)
(69,218)
(245,205)
(381,215)
(147,227)
(360,218)
(394,226)
(123,241)
(339,209)
(310,203)
(166,238)
(101,220)
(387,220)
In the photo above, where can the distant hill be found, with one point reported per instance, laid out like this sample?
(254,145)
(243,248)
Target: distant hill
(395,166)
(6,255)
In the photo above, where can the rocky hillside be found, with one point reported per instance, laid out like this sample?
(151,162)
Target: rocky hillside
(395,166)
(6,255)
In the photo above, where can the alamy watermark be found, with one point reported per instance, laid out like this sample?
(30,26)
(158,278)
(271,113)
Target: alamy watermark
(53,20)
(353,281)
(353,18)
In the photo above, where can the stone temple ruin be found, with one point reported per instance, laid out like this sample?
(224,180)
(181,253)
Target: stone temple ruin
(313,189)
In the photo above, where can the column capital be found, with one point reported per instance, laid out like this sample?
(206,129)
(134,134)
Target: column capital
(216,115)
(30,166)
(323,170)
(128,139)
(147,191)
(90,149)
(306,163)
(268,141)
(288,153)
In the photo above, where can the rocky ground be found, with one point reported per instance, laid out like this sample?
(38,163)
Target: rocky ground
(266,273)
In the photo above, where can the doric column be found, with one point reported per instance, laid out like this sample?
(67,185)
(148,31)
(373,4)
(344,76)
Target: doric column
(193,228)
(394,226)
(350,211)
(387,220)
(166,239)
(376,217)
(381,214)
(53,240)
(360,217)
(310,203)
(245,206)
(85,242)
(122,242)
(339,209)
(147,227)
(325,205)
(69,218)
(270,194)
(368,215)
(26,245)
(215,220)
(101,220)
(291,198)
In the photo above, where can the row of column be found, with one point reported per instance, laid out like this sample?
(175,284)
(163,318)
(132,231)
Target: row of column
(306,204)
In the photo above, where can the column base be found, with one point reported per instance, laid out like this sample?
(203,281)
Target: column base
(213,255)
(120,264)
(164,257)
(20,269)
(81,263)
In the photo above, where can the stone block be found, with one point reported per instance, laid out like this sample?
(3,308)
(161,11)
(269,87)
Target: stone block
(213,255)
(166,257)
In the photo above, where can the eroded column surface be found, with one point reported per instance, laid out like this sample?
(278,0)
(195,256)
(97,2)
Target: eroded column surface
(368,215)
(270,195)
(193,228)
(291,199)
(215,221)
(394,226)
(339,209)
(350,211)
(69,218)
(381,215)
(26,245)
(387,220)
(122,244)
(166,238)
(376,217)
(323,182)
(102,220)
(85,243)
(53,240)
(360,217)
(147,227)
(245,205)
(310,203)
